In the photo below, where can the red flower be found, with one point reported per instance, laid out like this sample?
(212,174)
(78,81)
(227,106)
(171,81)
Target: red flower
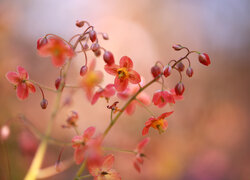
(91,79)
(130,91)
(104,171)
(87,146)
(107,92)
(57,49)
(159,123)
(161,98)
(21,82)
(139,154)
(123,73)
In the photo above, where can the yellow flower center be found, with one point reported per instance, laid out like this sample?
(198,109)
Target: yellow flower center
(158,124)
(91,79)
(122,73)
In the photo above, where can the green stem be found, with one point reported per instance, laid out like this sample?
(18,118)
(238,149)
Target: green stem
(118,150)
(80,171)
(145,107)
(83,177)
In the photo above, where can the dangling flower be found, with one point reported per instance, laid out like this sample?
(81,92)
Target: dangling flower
(107,92)
(91,79)
(159,123)
(139,154)
(21,82)
(104,171)
(124,73)
(57,49)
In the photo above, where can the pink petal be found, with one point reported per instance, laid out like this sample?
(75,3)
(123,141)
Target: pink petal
(165,125)
(109,90)
(108,162)
(31,86)
(92,65)
(134,77)
(94,170)
(144,98)
(88,133)
(76,140)
(12,77)
(79,155)
(113,175)
(95,97)
(126,62)
(124,94)
(142,144)
(22,73)
(22,91)
(149,121)
(131,108)
(164,115)
(137,167)
(58,61)
(111,69)
(121,84)
(145,130)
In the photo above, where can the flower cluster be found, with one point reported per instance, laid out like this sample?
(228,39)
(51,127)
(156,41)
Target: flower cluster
(128,85)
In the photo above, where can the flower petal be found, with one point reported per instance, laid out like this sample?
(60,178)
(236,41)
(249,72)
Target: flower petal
(79,155)
(31,86)
(136,166)
(144,98)
(131,108)
(121,84)
(108,162)
(142,144)
(126,62)
(92,65)
(145,130)
(164,115)
(88,133)
(95,97)
(111,69)
(22,73)
(22,91)
(12,77)
(58,61)
(134,77)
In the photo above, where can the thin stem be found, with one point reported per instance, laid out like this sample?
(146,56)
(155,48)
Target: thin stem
(41,91)
(111,115)
(118,150)
(80,171)
(71,86)
(6,155)
(43,86)
(83,177)
(145,107)
(76,130)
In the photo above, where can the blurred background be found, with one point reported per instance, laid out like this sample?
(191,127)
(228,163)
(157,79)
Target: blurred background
(207,137)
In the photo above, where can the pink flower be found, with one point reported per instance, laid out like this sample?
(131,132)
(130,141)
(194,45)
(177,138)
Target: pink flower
(91,79)
(21,82)
(139,154)
(161,98)
(107,92)
(124,73)
(104,171)
(130,91)
(87,147)
(159,123)
(57,49)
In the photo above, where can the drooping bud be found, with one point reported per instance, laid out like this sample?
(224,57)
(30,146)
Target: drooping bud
(44,103)
(83,70)
(156,71)
(177,47)
(105,36)
(95,47)
(41,42)
(189,72)
(179,89)
(167,70)
(180,66)
(85,47)
(4,132)
(79,24)
(204,59)
(98,53)
(92,35)
(108,58)
(58,81)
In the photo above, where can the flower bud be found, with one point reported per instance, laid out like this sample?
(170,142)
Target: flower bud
(108,58)
(98,53)
(179,89)
(44,103)
(83,70)
(204,59)
(92,35)
(95,46)
(156,71)
(180,66)
(4,132)
(189,72)
(85,47)
(167,70)
(58,82)
(105,36)
(79,24)
(41,42)
(177,47)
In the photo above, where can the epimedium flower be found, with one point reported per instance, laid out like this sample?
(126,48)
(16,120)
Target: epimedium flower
(106,92)
(91,79)
(131,90)
(124,73)
(159,123)
(161,98)
(138,161)
(104,170)
(21,81)
(57,49)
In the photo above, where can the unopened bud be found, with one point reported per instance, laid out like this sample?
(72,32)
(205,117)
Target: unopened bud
(79,24)
(44,103)
(41,42)
(189,72)
(108,58)
(156,71)
(179,89)
(177,47)
(105,36)
(85,47)
(204,59)
(58,81)
(98,53)
(95,47)
(167,70)
(83,70)
(180,66)
(92,35)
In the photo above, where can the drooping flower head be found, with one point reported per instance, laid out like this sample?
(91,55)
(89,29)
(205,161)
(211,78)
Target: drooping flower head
(91,79)
(159,123)
(104,171)
(124,73)
(21,81)
(139,154)
(107,92)
(57,49)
